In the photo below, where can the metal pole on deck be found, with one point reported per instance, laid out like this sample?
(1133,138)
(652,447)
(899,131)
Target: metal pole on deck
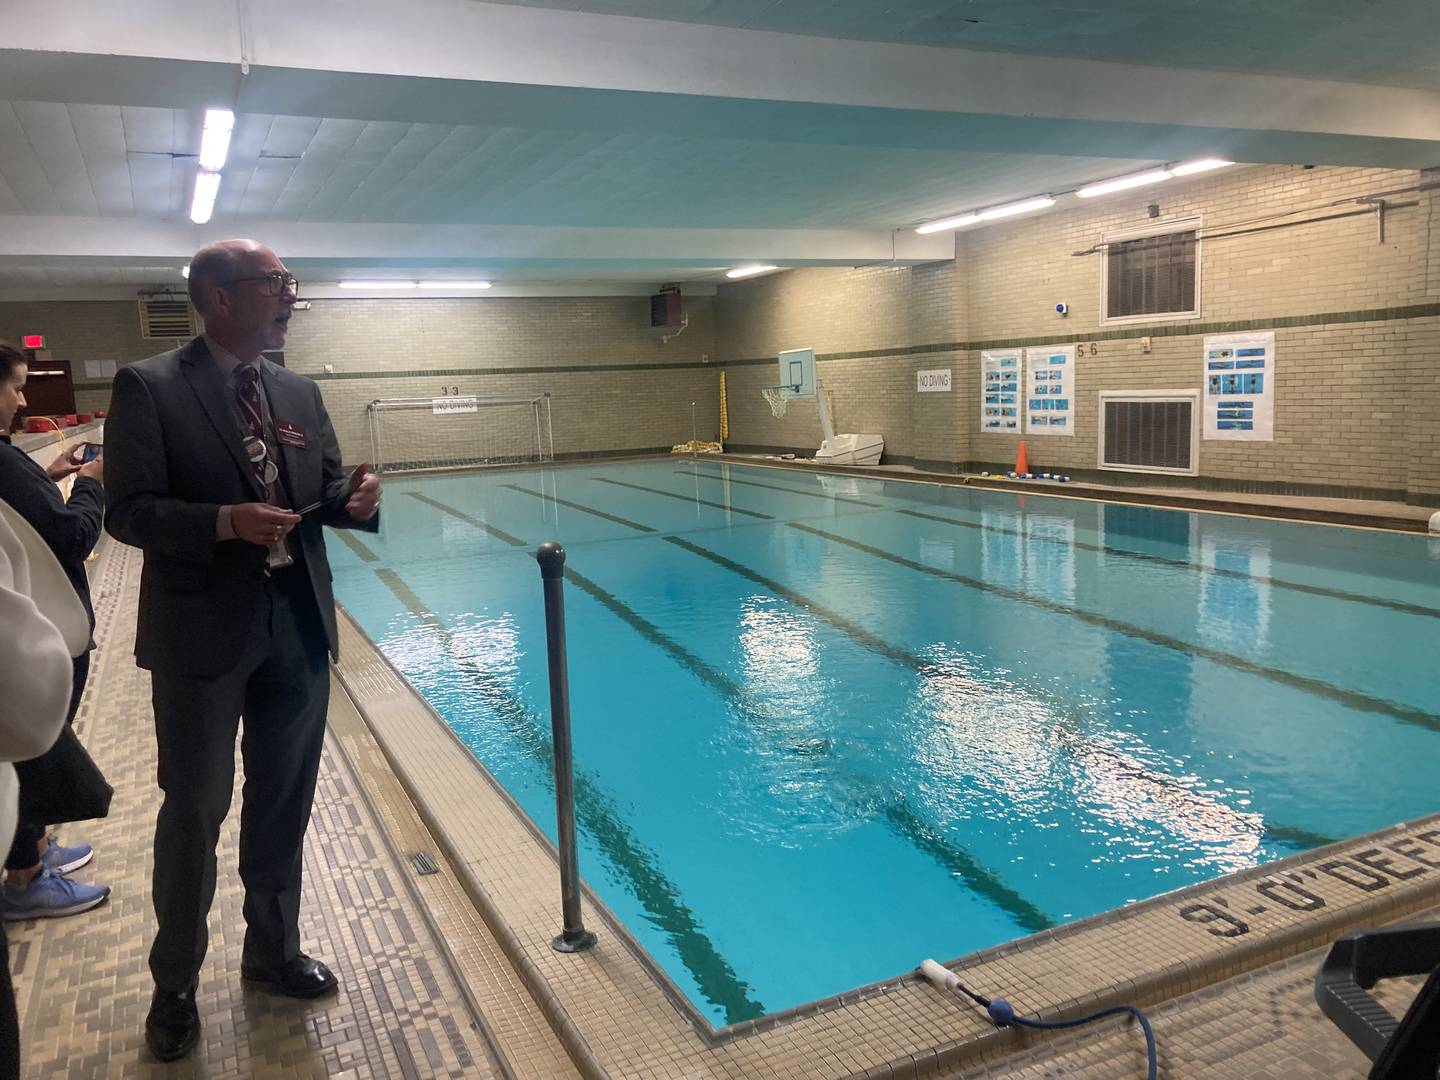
(574,937)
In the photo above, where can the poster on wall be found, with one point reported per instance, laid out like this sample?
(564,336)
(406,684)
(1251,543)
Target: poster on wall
(1000,392)
(1050,390)
(934,381)
(1240,386)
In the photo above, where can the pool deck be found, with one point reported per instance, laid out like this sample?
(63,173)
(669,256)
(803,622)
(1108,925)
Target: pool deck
(1358,513)
(452,974)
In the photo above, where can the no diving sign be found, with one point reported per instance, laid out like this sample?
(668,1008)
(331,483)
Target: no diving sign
(933,382)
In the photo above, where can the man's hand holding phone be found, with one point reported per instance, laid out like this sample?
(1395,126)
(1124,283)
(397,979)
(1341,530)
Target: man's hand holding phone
(364,494)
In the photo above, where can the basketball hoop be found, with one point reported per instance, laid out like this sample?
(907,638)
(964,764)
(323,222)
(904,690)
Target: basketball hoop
(775,399)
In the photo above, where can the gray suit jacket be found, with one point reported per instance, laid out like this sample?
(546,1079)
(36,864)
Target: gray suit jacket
(173,457)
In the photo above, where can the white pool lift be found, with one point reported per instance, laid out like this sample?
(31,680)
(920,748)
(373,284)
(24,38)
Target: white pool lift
(848,449)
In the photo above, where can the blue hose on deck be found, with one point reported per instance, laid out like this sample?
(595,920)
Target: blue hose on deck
(1002,1013)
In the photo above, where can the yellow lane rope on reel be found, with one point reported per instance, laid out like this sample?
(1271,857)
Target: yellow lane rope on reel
(724,412)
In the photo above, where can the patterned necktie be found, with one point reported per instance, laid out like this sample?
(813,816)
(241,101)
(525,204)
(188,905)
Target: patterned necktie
(247,390)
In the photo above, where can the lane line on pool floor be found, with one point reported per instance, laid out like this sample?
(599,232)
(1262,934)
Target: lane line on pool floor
(346,537)
(1185,564)
(469,519)
(1102,549)
(776,487)
(685,498)
(1354,699)
(1289,834)
(717,981)
(978,877)
(546,497)
(1080,747)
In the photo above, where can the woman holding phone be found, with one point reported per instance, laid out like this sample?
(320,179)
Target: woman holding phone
(35,868)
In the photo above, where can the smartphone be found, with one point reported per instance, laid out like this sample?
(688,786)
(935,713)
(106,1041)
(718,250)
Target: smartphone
(91,451)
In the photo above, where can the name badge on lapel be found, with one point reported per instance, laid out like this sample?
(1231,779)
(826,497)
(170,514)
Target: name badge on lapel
(290,434)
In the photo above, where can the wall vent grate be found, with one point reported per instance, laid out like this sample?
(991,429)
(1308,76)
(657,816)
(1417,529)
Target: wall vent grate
(1149,433)
(160,318)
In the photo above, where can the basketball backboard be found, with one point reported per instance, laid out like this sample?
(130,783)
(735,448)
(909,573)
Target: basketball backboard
(797,370)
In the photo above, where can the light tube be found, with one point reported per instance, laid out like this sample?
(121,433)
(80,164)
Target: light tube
(215,142)
(202,203)
(1190,168)
(1040,202)
(1105,187)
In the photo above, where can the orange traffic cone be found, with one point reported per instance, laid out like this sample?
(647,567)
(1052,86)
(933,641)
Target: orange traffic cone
(1022,463)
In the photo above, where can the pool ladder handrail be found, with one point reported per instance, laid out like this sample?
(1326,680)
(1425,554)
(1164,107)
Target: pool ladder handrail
(573,937)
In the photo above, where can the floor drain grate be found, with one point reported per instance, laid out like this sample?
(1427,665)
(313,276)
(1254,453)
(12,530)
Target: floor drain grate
(423,863)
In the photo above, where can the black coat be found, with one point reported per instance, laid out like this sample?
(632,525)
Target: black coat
(173,457)
(69,529)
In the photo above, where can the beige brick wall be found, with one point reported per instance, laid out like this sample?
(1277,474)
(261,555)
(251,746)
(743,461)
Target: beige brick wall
(1015,272)
(626,390)
(868,309)
(1357,403)
(80,330)
(614,384)
(1424,427)
(1347,413)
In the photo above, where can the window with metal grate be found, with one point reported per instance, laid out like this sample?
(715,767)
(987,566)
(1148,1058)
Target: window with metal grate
(1150,275)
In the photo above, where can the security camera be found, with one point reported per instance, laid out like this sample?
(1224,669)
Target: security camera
(1062,309)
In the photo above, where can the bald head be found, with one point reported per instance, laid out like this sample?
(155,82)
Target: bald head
(218,263)
(245,295)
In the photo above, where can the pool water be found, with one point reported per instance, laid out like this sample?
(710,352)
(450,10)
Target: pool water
(825,727)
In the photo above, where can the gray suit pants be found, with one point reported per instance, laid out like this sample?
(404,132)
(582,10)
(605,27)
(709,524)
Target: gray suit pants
(281,685)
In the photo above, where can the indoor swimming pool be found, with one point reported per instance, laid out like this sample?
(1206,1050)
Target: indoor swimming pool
(827,726)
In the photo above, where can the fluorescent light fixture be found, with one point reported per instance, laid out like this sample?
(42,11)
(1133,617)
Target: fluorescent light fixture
(948,223)
(1190,168)
(215,142)
(749,271)
(202,203)
(1024,207)
(1040,202)
(185,270)
(1154,176)
(455,284)
(379,284)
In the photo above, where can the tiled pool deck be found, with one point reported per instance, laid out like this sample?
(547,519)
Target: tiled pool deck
(452,974)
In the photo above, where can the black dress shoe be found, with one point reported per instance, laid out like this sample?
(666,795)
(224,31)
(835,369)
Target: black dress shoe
(173,1027)
(301,977)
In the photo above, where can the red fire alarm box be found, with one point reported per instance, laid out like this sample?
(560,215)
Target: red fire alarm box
(32,341)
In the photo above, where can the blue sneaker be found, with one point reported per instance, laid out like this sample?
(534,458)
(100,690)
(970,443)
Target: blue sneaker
(49,895)
(61,860)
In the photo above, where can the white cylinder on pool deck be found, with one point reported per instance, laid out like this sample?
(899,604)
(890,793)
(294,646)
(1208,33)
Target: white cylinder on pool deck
(939,975)
(1435,523)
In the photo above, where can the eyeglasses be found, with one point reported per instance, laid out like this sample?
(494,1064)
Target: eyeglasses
(276,282)
(258,453)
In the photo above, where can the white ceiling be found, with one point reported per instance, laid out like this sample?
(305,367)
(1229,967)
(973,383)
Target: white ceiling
(640,141)
(111,160)
(1396,42)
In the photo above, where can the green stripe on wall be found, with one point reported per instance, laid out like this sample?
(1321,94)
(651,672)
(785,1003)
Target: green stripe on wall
(1173,329)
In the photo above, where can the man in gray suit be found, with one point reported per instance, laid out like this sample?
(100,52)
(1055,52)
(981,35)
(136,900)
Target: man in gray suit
(222,467)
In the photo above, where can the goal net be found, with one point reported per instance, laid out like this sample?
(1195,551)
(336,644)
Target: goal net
(459,432)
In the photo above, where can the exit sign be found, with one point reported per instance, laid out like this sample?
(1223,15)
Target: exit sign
(32,341)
